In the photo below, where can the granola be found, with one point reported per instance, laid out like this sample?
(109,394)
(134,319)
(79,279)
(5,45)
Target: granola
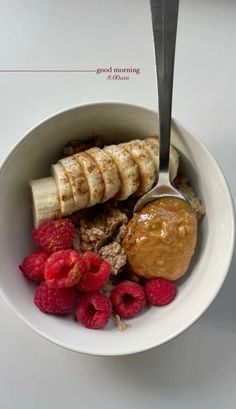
(78,145)
(120,233)
(120,324)
(102,228)
(182,183)
(115,254)
(107,289)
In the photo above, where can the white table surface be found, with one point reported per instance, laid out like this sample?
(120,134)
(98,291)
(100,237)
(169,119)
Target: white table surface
(198,369)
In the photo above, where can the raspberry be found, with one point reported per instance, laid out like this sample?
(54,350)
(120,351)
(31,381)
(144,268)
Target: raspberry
(54,235)
(94,310)
(33,266)
(98,272)
(64,268)
(55,300)
(128,299)
(160,291)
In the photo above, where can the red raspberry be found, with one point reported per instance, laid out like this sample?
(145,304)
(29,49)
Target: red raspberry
(128,298)
(54,235)
(94,310)
(160,291)
(64,268)
(55,300)
(97,274)
(33,266)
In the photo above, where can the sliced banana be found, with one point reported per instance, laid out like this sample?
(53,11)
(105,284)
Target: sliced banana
(128,170)
(146,166)
(108,170)
(45,200)
(152,146)
(64,189)
(78,181)
(93,176)
(96,175)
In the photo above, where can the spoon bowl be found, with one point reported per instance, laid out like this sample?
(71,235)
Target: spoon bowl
(164,188)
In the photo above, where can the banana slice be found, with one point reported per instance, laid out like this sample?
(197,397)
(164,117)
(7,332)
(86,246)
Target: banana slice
(77,180)
(108,170)
(152,146)
(146,166)
(45,200)
(64,189)
(128,170)
(174,162)
(93,176)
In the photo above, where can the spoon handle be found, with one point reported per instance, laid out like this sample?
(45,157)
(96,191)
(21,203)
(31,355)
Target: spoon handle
(164,20)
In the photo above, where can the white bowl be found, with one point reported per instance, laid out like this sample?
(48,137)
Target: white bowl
(31,158)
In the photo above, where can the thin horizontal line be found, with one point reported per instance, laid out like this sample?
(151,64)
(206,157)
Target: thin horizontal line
(47,71)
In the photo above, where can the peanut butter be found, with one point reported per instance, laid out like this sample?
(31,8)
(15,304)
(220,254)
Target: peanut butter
(161,239)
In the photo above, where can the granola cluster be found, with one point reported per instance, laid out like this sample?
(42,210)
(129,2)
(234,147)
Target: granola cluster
(78,145)
(182,183)
(102,230)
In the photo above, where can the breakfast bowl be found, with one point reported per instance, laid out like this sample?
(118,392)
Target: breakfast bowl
(116,122)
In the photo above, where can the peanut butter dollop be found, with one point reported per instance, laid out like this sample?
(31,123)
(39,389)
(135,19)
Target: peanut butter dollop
(161,239)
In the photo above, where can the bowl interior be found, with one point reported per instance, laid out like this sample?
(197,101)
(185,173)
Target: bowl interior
(31,159)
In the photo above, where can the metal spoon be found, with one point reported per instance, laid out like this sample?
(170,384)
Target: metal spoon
(164,20)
